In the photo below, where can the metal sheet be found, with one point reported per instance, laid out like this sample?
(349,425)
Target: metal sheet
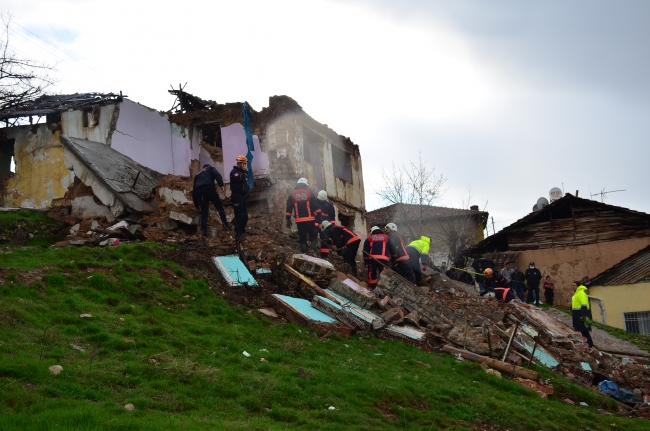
(234,271)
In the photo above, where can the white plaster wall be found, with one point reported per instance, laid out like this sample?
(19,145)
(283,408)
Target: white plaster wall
(72,124)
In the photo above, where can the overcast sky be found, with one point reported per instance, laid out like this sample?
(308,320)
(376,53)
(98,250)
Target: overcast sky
(509,98)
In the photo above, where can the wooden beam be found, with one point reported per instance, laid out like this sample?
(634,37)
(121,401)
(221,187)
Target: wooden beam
(494,363)
(311,284)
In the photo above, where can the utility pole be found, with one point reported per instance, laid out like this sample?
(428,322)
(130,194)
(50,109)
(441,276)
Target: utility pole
(493,229)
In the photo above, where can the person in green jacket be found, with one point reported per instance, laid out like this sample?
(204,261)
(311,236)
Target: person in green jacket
(581,312)
(418,252)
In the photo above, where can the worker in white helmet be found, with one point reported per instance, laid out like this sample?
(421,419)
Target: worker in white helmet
(307,213)
(399,256)
(328,213)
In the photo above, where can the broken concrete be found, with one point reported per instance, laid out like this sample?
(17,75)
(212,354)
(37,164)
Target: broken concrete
(353,292)
(313,266)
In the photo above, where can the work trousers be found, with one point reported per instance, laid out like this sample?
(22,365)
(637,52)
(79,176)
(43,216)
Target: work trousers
(519,290)
(207,194)
(350,256)
(240,206)
(374,269)
(548,296)
(587,335)
(403,268)
(414,263)
(324,247)
(533,295)
(306,231)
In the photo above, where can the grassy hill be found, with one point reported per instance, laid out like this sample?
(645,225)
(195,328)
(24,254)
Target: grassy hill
(162,338)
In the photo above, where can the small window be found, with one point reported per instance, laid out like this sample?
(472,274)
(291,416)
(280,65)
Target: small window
(342,163)
(347,221)
(638,322)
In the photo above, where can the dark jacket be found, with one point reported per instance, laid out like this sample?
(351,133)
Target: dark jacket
(378,245)
(340,236)
(518,277)
(238,181)
(400,253)
(533,277)
(205,177)
(327,211)
(304,203)
(497,280)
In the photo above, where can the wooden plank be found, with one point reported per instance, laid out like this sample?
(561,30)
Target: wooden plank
(311,284)
(496,364)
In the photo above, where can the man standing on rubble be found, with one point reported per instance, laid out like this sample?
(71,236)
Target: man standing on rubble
(376,252)
(581,312)
(238,192)
(418,252)
(533,277)
(400,255)
(497,283)
(304,203)
(345,241)
(328,213)
(204,192)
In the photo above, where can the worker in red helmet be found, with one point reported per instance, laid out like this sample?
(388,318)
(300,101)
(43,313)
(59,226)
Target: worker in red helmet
(497,283)
(238,192)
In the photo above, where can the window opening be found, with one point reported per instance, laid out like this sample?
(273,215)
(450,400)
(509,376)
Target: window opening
(637,322)
(342,163)
(346,221)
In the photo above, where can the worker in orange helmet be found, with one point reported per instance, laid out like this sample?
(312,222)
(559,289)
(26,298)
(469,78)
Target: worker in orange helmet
(238,192)
(497,283)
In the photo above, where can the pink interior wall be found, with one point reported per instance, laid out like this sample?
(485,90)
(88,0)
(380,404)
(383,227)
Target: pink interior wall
(233,140)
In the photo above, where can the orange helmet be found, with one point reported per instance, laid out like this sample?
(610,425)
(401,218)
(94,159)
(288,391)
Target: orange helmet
(242,159)
(488,271)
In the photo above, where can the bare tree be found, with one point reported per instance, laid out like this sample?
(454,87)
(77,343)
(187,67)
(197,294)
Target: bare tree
(21,79)
(458,231)
(415,185)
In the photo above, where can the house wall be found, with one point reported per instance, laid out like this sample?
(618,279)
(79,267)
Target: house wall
(41,175)
(566,264)
(620,299)
(72,124)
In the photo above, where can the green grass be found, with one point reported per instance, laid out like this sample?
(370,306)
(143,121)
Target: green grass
(179,361)
(47,228)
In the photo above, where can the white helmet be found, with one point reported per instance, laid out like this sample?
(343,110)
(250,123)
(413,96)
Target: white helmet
(324,224)
(392,226)
(303,181)
(322,195)
(374,228)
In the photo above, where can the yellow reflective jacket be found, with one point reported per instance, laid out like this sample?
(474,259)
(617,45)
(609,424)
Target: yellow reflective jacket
(580,298)
(422,244)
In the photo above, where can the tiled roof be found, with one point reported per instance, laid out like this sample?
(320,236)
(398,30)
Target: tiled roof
(395,212)
(633,269)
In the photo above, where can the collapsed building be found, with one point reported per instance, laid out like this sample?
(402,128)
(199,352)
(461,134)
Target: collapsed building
(105,156)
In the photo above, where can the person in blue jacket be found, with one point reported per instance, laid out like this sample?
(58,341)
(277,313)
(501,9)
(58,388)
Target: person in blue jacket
(238,192)
(204,192)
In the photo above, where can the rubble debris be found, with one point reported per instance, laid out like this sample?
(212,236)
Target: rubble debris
(543,390)
(268,312)
(301,312)
(357,319)
(234,271)
(184,218)
(353,292)
(501,366)
(403,333)
(311,284)
(313,266)
(393,316)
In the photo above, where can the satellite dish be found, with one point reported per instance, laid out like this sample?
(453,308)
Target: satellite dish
(555,194)
(542,202)
(535,208)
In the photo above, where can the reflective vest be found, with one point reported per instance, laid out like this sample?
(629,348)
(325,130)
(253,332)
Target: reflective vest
(376,245)
(503,291)
(580,298)
(304,204)
(341,236)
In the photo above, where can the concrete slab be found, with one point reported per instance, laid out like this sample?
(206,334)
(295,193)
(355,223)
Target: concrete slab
(301,312)
(353,292)
(403,333)
(352,317)
(313,266)
(234,271)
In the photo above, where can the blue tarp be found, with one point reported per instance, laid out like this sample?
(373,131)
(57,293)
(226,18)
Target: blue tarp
(609,387)
(249,144)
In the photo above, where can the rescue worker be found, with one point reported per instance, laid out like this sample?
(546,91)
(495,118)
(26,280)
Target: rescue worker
(376,254)
(238,192)
(346,243)
(497,283)
(581,312)
(418,252)
(328,213)
(204,192)
(399,255)
(307,213)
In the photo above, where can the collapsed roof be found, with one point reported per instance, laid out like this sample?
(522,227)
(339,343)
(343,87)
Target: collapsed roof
(395,212)
(56,103)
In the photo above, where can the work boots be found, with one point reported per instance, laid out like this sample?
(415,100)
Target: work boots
(303,247)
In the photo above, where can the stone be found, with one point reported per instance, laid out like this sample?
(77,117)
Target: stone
(184,218)
(56,369)
(313,266)
(167,225)
(130,407)
(74,229)
(171,196)
(85,316)
(394,316)
(568,401)
(353,292)
(383,303)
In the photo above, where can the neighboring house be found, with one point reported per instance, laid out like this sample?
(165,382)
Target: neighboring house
(452,230)
(625,293)
(122,149)
(569,239)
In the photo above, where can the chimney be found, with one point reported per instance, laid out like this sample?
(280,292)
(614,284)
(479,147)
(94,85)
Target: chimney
(474,208)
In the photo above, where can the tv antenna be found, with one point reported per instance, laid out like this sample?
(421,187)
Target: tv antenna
(603,193)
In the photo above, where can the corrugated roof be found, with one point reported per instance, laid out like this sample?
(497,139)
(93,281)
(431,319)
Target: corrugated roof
(56,103)
(634,269)
(395,212)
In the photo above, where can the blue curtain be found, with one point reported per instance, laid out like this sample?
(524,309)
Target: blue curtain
(249,144)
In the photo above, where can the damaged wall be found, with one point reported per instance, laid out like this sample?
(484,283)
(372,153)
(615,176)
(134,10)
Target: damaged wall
(566,264)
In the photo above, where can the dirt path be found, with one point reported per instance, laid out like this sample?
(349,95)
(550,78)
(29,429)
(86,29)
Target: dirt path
(602,340)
